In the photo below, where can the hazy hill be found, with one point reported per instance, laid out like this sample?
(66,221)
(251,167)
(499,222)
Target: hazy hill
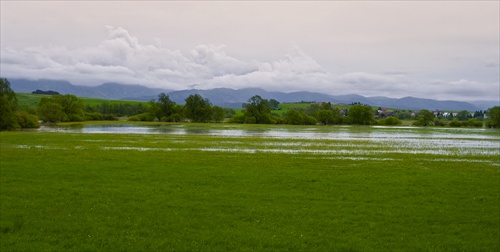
(226,97)
(117,91)
(234,98)
(112,91)
(28,86)
(420,103)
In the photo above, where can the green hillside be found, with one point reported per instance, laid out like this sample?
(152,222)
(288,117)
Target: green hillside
(27,99)
(97,101)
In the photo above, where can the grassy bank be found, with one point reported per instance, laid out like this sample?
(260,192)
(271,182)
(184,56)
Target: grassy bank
(102,192)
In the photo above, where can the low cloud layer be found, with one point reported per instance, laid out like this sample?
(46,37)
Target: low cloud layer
(122,58)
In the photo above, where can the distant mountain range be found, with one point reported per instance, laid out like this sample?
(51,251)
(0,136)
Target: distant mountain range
(232,98)
(111,91)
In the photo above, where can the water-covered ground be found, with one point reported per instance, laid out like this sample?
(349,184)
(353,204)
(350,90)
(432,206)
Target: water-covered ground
(339,140)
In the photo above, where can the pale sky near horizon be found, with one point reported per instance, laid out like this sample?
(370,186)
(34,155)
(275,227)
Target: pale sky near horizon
(447,50)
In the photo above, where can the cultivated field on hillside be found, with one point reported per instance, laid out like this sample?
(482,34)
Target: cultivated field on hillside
(26,99)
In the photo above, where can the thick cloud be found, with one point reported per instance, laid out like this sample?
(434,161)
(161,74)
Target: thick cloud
(122,58)
(296,71)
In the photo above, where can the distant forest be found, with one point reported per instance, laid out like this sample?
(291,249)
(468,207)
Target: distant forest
(49,92)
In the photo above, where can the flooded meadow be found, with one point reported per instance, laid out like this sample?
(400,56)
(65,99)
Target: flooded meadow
(204,186)
(340,142)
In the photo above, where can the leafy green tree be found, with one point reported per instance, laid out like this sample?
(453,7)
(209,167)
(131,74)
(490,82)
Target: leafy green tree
(164,109)
(49,110)
(361,114)
(27,120)
(325,116)
(218,114)
(463,115)
(313,109)
(455,123)
(326,105)
(259,109)
(8,106)
(167,106)
(121,109)
(274,104)
(177,117)
(294,117)
(308,120)
(474,123)
(337,116)
(198,109)
(27,108)
(154,110)
(424,118)
(61,108)
(72,107)
(93,116)
(450,116)
(391,120)
(478,115)
(228,113)
(144,117)
(493,117)
(439,122)
(237,119)
(250,120)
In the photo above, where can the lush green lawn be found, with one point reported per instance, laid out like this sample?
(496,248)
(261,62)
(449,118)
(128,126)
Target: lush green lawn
(131,192)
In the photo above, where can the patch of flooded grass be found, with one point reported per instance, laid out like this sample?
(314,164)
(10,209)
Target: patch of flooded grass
(203,191)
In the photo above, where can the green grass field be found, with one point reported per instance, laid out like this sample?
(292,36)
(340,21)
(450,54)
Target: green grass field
(33,99)
(203,192)
(27,99)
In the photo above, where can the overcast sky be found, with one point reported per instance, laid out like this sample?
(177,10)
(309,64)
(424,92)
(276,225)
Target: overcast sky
(447,50)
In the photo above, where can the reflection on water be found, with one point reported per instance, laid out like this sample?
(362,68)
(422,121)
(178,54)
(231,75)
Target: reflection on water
(359,133)
(411,135)
(158,129)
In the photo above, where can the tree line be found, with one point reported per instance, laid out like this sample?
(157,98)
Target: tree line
(11,117)
(195,109)
(69,108)
(262,111)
